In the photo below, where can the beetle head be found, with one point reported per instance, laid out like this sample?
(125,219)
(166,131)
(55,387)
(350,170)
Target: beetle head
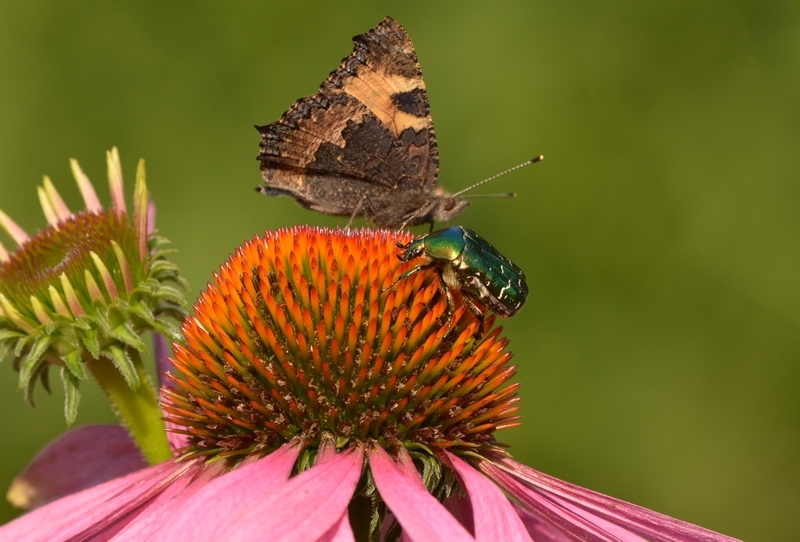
(411,250)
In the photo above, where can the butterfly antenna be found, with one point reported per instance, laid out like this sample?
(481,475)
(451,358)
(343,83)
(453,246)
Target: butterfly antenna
(503,195)
(493,177)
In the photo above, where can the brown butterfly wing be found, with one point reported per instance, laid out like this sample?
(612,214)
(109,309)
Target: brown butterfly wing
(364,140)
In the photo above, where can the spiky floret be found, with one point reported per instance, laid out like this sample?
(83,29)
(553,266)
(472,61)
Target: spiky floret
(83,290)
(295,339)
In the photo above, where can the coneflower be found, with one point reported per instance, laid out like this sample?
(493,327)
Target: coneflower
(316,406)
(79,294)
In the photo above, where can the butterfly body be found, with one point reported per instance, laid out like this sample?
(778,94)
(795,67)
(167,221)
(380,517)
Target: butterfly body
(364,145)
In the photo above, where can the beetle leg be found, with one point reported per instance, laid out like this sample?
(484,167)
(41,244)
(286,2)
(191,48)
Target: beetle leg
(451,304)
(408,273)
(480,316)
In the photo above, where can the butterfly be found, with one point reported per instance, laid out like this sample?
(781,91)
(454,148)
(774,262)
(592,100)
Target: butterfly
(364,144)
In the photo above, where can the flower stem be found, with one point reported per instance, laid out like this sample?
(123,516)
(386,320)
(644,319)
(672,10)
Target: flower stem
(138,410)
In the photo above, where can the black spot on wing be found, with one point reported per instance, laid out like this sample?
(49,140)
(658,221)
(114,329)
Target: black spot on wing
(414,102)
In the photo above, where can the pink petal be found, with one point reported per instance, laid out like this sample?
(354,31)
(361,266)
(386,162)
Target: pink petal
(205,514)
(646,523)
(461,509)
(341,532)
(421,516)
(540,530)
(566,521)
(93,507)
(494,517)
(304,508)
(161,357)
(163,507)
(79,459)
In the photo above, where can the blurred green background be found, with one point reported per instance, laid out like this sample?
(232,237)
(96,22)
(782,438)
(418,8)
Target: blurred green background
(661,236)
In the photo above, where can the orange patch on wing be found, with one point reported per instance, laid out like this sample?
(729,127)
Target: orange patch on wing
(375,91)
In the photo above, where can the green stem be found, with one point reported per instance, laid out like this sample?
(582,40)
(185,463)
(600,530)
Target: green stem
(138,410)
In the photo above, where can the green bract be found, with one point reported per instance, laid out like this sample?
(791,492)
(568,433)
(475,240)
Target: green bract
(82,291)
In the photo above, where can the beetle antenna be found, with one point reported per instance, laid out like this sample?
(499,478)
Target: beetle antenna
(493,177)
(503,195)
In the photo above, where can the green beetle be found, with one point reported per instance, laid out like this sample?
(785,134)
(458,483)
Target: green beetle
(466,261)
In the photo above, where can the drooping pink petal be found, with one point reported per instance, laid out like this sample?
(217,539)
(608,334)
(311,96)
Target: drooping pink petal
(163,507)
(493,515)
(646,523)
(421,516)
(341,532)
(163,363)
(304,508)
(461,509)
(108,517)
(540,530)
(79,459)
(607,526)
(203,517)
(574,525)
(98,506)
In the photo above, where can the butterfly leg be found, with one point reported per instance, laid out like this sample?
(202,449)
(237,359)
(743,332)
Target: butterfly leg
(355,211)
(423,209)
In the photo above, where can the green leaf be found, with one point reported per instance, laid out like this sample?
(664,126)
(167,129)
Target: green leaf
(431,471)
(72,395)
(99,318)
(164,266)
(5,349)
(119,357)
(83,323)
(22,344)
(91,342)
(74,362)
(141,310)
(32,360)
(182,283)
(168,330)
(51,327)
(10,334)
(44,378)
(306,460)
(169,293)
(124,333)
(41,373)
(147,286)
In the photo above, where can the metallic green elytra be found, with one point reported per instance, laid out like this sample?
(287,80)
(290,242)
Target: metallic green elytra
(466,261)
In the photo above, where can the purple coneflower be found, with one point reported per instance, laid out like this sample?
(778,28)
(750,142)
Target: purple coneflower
(314,405)
(78,295)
